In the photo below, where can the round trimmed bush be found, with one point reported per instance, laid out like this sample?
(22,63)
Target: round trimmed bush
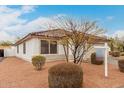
(121,65)
(115,54)
(95,60)
(110,52)
(65,75)
(38,62)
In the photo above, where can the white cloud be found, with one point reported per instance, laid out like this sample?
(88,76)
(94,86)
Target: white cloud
(58,16)
(41,23)
(5,9)
(119,34)
(110,17)
(38,24)
(11,22)
(28,8)
(12,25)
(10,19)
(98,19)
(4,36)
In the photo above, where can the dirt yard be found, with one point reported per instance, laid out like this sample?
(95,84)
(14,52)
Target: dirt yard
(15,73)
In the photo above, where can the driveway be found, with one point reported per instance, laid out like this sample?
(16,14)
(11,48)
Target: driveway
(17,73)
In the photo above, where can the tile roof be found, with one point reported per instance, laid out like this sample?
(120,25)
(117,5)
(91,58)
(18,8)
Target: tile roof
(55,33)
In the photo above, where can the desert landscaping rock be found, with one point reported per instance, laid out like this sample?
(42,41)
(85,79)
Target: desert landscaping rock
(17,73)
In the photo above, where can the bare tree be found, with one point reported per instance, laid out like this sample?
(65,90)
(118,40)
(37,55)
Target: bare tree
(64,42)
(79,36)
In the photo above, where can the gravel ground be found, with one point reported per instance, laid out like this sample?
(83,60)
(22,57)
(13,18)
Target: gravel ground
(1,58)
(17,73)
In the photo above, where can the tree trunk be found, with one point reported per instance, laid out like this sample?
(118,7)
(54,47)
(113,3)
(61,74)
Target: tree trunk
(66,52)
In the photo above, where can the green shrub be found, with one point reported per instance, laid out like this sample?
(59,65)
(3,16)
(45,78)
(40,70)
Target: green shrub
(121,65)
(115,54)
(38,61)
(65,75)
(95,60)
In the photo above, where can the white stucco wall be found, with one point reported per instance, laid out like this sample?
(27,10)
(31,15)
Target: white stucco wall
(8,52)
(33,47)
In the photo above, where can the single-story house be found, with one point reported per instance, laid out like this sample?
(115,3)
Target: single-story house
(47,43)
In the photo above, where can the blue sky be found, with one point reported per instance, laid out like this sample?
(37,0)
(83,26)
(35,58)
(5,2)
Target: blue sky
(110,18)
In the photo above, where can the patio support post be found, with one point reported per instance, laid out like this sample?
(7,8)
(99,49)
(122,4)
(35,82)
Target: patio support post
(106,61)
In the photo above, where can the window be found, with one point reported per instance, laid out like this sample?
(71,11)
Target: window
(17,49)
(44,47)
(53,47)
(48,47)
(24,48)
